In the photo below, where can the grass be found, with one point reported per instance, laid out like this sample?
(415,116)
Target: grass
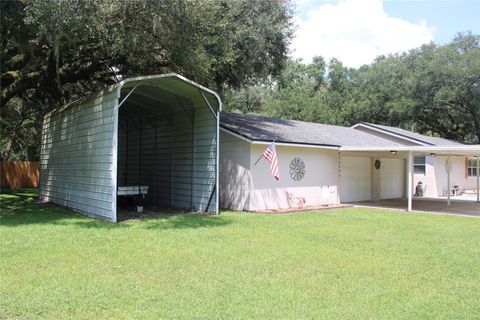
(345,263)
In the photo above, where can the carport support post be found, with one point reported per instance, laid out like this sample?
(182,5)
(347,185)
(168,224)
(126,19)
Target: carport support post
(478,178)
(449,168)
(410,180)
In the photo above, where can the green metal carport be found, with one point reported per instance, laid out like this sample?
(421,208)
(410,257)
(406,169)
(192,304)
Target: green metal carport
(158,131)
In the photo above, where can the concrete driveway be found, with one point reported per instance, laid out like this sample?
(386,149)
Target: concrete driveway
(457,207)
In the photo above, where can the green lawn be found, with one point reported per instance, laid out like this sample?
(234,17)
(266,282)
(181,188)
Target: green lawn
(345,263)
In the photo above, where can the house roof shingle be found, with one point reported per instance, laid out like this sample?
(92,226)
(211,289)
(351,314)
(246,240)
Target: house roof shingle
(435,141)
(261,128)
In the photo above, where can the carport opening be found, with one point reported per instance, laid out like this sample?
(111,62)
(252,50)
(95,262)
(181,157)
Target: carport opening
(166,156)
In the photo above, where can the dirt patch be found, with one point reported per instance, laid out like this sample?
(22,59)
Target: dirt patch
(303,209)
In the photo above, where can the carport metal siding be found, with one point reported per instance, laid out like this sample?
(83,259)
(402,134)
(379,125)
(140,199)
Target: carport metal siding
(205,160)
(76,158)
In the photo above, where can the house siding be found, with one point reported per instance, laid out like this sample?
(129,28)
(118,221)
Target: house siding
(435,180)
(235,178)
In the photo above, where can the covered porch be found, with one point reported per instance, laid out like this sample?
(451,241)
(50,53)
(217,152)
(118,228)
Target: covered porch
(388,182)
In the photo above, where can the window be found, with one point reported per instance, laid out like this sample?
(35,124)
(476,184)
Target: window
(471,168)
(419,165)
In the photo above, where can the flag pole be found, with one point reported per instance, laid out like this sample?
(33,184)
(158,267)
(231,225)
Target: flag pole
(262,153)
(258,159)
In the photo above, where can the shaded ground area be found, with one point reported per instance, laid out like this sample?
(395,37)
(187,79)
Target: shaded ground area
(21,207)
(457,207)
(354,263)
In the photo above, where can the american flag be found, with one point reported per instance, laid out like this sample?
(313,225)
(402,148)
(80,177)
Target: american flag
(271,155)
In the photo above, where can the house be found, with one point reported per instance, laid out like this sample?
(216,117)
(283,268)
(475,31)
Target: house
(337,164)
(159,139)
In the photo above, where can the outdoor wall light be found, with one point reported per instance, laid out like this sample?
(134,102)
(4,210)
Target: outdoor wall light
(393,152)
(433,154)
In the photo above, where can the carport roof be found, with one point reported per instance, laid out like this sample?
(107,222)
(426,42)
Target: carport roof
(172,86)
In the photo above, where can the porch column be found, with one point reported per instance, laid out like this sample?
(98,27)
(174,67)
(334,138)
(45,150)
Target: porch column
(478,178)
(449,168)
(410,180)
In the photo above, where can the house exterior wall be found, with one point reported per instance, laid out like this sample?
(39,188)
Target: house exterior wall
(435,180)
(319,186)
(429,180)
(77,167)
(235,178)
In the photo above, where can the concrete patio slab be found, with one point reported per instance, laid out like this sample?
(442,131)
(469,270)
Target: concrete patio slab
(457,207)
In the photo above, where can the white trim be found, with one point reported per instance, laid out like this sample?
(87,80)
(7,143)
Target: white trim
(295,145)
(389,133)
(449,150)
(475,164)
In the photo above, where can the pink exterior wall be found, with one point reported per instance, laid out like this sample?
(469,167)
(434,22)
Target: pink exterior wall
(318,187)
(435,178)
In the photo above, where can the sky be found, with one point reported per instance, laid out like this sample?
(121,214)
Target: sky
(357,31)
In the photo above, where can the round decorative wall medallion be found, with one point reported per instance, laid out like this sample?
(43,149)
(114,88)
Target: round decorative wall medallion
(297,169)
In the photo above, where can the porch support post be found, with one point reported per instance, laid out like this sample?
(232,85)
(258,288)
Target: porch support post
(478,179)
(449,168)
(410,180)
